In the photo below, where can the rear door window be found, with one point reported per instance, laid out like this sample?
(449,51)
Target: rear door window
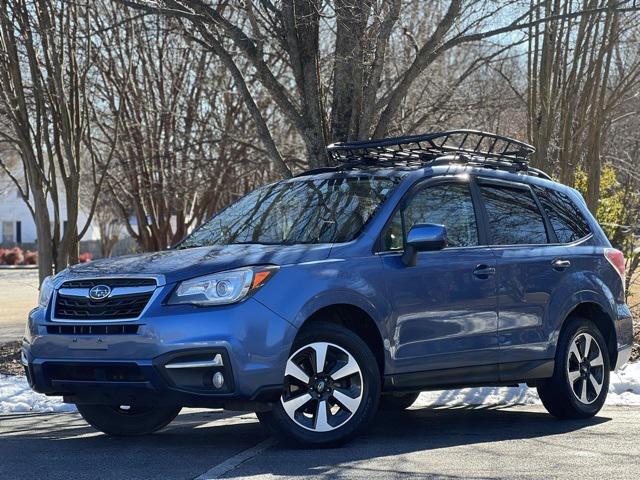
(513,216)
(565,217)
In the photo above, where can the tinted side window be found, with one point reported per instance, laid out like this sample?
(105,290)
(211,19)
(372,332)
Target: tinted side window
(513,216)
(565,217)
(449,205)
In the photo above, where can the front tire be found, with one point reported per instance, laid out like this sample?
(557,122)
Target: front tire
(127,421)
(331,389)
(580,381)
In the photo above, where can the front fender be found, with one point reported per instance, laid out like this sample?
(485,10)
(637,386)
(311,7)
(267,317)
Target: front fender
(341,297)
(298,291)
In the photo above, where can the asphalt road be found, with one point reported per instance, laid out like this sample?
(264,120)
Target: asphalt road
(517,442)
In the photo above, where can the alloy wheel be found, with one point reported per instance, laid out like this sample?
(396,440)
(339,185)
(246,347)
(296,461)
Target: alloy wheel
(585,368)
(323,387)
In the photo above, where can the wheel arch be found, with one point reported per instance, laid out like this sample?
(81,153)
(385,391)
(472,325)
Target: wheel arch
(594,311)
(356,319)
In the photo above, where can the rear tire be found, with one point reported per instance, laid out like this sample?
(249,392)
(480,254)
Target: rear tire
(395,402)
(331,389)
(580,381)
(127,422)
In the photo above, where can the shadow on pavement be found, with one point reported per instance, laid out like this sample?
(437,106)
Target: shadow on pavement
(427,430)
(197,441)
(63,446)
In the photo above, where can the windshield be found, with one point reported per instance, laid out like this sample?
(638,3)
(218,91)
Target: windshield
(301,211)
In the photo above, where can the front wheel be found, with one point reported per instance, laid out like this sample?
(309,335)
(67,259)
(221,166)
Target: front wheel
(126,421)
(331,389)
(579,385)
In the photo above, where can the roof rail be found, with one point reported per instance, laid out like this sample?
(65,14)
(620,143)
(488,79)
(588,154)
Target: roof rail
(455,146)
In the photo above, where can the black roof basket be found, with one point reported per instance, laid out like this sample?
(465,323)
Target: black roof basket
(455,146)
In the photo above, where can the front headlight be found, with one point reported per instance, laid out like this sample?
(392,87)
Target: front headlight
(46,291)
(221,288)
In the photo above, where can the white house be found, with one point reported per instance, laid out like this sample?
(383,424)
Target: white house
(17,223)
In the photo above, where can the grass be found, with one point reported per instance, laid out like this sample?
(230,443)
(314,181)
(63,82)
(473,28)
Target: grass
(10,359)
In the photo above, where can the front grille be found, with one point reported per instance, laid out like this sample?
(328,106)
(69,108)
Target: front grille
(117,308)
(126,329)
(111,282)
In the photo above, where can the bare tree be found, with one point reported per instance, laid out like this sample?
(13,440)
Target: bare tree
(176,107)
(291,30)
(45,64)
(575,86)
(186,146)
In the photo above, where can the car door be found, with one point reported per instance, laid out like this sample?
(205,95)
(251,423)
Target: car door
(445,307)
(529,267)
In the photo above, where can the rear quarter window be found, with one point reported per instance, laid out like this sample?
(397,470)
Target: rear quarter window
(566,218)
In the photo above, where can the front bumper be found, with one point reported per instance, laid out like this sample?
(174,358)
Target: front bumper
(251,342)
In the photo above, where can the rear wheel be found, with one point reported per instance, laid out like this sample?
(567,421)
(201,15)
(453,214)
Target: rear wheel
(398,401)
(331,388)
(579,385)
(127,420)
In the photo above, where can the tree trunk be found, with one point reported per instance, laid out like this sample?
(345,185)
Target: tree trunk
(348,76)
(43,232)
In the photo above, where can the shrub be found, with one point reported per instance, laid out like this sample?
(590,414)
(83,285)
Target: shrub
(85,257)
(30,258)
(13,256)
(2,252)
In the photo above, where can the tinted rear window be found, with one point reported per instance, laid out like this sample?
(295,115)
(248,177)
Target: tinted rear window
(565,217)
(513,216)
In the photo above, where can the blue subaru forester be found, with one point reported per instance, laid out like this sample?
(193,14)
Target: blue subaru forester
(425,262)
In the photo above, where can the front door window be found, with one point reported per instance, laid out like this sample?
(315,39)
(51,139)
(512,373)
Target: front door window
(447,204)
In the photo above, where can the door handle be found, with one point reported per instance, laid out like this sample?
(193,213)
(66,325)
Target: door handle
(560,264)
(484,271)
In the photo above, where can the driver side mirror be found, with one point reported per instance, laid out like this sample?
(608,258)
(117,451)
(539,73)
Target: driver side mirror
(423,237)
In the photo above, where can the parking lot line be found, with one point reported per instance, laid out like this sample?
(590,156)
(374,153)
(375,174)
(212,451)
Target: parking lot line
(231,463)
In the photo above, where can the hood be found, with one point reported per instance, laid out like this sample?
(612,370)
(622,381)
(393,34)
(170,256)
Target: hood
(177,265)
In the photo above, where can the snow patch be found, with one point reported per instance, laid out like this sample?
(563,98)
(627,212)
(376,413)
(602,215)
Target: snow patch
(16,396)
(624,389)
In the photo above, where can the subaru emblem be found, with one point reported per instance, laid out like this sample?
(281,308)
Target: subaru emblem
(99,292)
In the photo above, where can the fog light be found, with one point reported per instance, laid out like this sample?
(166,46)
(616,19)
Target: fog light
(218,380)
